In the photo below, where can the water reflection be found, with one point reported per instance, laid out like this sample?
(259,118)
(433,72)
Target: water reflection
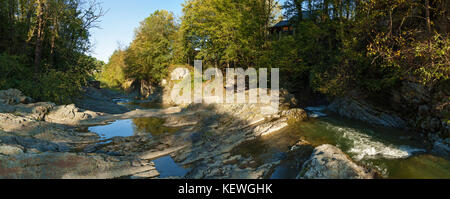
(167,167)
(132,127)
(154,126)
(119,128)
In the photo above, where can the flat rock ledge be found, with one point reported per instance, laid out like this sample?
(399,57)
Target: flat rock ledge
(52,165)
(45,141)
(362,111)
(329,162)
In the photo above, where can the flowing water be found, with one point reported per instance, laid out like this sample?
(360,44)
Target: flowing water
(393,153)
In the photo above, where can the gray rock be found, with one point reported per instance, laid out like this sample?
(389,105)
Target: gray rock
(101,100)
(353,109)
(270,127)
(287,100)
(33,143)
(441,149)
(68,114)
(12,96)
(35,111)
(10,122)
(146,175)
(11,149)
(67,166)
(329,162)
(415,93)
(295,114)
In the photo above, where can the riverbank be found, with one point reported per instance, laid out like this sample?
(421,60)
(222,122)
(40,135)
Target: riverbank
(42,140)
(214,141)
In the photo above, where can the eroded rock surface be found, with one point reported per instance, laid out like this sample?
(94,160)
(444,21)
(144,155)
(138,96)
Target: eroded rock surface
(12,96)
(42,140)
(52,165)
(68,114)
(362,111)
(329,162)
(6,149)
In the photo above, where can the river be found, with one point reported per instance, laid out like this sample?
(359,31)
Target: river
(393,153)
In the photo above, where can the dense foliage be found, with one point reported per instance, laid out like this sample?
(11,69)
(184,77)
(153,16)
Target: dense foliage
(112,74)
(151,51)
(43,46)
(227,33)
(337,45)
(148,56)
(366,45)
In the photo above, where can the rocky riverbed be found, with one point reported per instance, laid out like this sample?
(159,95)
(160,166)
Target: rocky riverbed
(43,140)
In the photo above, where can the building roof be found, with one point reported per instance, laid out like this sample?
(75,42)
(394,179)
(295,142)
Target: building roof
(282,24)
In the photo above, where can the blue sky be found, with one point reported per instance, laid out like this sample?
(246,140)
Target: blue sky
(122,18)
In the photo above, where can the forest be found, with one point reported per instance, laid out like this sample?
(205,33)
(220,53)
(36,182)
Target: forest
(44,46)
(338,46)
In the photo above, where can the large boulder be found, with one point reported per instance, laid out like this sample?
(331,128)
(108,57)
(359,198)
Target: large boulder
(287,100)
(442,149)
(329,162)
(6,149)
(36,111)
(12,97)
(68,114)
(359,110)
(295,114)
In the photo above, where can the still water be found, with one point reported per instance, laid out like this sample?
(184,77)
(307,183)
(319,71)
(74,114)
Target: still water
(150,126)
(132,127)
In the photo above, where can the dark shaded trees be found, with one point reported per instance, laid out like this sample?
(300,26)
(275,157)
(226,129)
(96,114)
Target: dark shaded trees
(368,45)
(46,37)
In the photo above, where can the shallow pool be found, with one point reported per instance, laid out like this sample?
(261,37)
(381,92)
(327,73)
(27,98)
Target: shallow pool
(149,126)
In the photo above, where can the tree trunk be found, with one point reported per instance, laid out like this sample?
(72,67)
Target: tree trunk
(442,22)
(39,36)
(11,25)
(53,45)
(427,12)
(325,14)
(299,7)
(310,7)
(27,21)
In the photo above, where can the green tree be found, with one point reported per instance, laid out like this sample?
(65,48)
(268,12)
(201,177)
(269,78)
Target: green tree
(51,39)
(227,33)
(151,51)
(112,74)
